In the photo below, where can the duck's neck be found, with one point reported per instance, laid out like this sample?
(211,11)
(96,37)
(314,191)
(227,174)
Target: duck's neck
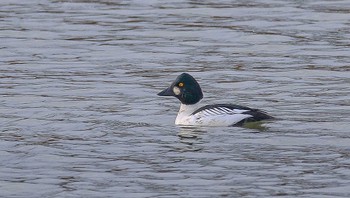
(188,109)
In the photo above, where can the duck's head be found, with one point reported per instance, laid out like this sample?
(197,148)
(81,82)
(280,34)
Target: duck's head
(185,88)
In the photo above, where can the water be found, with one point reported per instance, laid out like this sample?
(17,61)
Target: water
(80,117)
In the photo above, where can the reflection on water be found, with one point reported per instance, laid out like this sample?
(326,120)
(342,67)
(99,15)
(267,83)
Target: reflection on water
(80,117)
(191,138)
(191,132)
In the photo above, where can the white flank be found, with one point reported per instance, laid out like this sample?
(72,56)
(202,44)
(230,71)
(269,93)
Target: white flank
(219,116)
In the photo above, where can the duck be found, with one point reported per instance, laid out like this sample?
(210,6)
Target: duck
(191,113)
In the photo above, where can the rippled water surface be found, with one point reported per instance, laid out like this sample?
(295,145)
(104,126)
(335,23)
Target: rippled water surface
(80,116)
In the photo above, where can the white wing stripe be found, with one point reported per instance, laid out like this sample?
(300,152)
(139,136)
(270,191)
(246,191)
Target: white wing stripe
(226,109)
(210,111)
(216,111)
(207,113)
(222,110)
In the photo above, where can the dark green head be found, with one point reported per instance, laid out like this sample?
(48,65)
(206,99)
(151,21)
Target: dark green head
(185,88)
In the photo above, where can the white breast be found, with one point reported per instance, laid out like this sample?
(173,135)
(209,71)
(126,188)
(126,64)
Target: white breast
(184,116)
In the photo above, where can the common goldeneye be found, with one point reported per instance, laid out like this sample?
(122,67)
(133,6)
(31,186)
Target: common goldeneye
(187,90)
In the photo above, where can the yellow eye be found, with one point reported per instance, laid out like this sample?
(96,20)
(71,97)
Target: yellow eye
(181,84)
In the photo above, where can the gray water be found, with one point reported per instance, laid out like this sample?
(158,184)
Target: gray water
(80,116)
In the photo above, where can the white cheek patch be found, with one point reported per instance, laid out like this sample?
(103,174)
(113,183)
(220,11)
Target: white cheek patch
(176,91)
